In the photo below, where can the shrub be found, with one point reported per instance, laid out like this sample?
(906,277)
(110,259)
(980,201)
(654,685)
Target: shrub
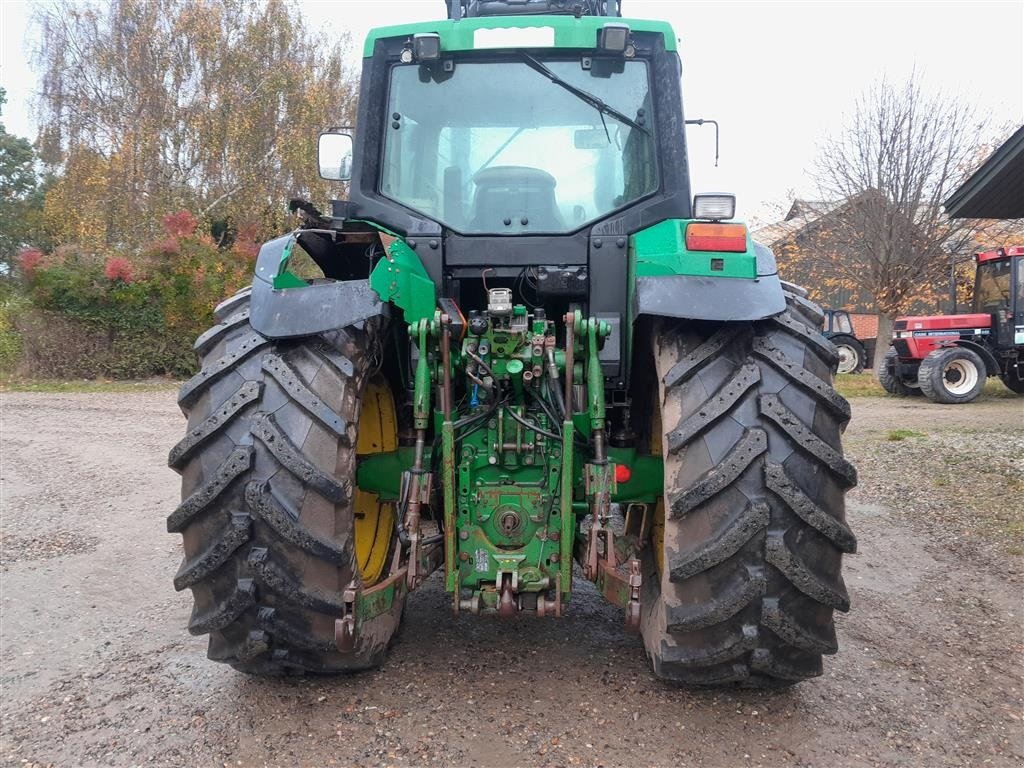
(11,305)
(119,316)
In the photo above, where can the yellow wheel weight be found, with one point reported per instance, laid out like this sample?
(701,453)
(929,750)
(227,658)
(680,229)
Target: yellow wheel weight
(374,519)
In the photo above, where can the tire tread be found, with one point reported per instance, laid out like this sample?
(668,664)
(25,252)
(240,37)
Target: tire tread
(753,542)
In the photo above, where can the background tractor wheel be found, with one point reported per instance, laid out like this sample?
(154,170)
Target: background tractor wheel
(951,375)
(1011,378)
(743,573)
(851,354)
(892,384)
(273,526)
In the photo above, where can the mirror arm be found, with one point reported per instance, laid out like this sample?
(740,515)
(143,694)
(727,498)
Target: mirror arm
(712,122)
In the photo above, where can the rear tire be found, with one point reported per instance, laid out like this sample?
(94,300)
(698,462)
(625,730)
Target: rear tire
(851,354)
(743,574)
(269,498)
(892,383)
(1011,378)
(952,375)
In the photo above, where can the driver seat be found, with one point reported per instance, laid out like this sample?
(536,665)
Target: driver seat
(514,193)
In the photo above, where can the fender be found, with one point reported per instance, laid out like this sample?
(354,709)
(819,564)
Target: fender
(835,338)
(991,364)
(672,281)
(284,307)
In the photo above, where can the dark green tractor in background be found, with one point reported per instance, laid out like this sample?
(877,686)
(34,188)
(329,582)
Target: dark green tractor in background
(520,344)
(854,354)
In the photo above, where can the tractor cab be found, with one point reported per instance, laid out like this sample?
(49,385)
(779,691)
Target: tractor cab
(837,321)
(837,327)
(999,292)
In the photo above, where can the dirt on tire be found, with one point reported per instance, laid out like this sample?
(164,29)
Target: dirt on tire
(268,500)
(754,522)
(97,668)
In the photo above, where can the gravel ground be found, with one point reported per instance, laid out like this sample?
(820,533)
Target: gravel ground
(97,668)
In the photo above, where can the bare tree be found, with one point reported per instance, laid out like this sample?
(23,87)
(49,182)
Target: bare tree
(899,156)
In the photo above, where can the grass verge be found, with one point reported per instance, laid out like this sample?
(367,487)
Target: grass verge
(866,385)
(89,385)
(897,435)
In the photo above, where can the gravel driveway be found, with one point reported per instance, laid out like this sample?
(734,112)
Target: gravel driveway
(97,668)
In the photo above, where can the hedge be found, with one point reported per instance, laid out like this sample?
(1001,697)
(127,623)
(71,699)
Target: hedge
(79,314)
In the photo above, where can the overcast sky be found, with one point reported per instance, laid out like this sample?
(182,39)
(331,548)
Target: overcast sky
(778,76)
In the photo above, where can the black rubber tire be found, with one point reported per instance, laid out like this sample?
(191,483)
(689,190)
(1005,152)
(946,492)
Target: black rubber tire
(754,527)
(268,471)
(855,350)
(892,384)
(932,375)
(1012,380)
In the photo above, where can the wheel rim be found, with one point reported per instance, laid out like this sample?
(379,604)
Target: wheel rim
(847,359)
(959,376)
(374,519)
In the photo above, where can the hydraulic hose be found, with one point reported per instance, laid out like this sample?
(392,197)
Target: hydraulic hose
(555,382)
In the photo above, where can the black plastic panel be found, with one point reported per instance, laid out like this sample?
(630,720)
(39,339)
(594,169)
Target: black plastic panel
(720,299)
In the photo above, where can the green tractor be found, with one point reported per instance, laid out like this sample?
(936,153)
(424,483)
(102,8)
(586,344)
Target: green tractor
(520,344)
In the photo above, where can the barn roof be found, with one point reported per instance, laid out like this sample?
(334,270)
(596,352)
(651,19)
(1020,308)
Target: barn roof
(996,189)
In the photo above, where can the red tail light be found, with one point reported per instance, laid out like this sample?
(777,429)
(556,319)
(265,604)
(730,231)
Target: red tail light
(730,238)
(622,473)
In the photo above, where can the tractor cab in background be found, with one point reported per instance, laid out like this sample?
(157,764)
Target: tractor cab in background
(948,357)
(999,293)
(854,356)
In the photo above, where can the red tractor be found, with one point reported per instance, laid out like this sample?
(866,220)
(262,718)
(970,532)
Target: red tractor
(948,357)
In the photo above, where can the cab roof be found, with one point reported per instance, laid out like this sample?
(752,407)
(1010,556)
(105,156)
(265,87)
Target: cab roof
(1001,253)
(567,31)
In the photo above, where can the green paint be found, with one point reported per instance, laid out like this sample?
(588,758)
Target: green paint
(284,278)
(288,280)
(421,383)
(512,496)
(595,333)
(647,480)
(401,279)
(449,491)
(377,603)
(661,250)
(616,591)
(568,512)
(381,473)
(507,514)
(570,32)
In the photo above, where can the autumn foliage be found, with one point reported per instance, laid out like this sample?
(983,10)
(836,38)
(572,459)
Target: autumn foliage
(140,314)
(172,135)
(209,106)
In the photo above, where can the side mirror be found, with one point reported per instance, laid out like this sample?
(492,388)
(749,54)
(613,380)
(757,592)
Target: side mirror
(335,156)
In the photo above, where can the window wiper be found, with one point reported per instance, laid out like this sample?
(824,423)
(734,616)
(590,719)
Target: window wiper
(588,98)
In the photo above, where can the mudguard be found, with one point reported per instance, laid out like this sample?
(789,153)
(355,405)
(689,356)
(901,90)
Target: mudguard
(992,367)
(705,297)
(283,309)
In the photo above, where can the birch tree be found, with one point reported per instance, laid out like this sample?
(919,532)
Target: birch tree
(153,106)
